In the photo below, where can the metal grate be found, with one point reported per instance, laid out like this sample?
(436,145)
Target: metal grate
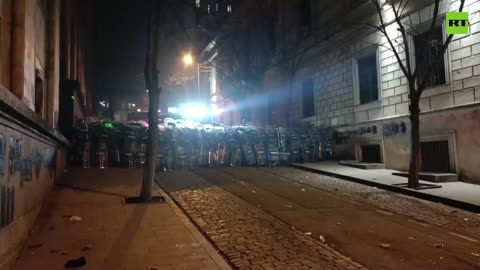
(427,53)
(371,153)
(435,156)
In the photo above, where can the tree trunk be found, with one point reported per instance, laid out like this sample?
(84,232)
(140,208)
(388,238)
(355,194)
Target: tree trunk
(151,80)
(415,162)
(152,145)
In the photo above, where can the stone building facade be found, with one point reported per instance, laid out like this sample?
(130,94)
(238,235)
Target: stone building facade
(343,58)
(32,150)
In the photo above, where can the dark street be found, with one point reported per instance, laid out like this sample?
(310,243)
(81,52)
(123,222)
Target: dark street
(240,134)
(376,228)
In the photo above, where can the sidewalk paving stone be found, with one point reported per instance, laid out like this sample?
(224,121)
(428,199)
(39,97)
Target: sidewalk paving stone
(111,234)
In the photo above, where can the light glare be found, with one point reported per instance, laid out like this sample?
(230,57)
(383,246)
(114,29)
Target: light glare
(188,59)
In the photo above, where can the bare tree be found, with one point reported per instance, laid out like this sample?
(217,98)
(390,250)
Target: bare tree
(152,82)
(417,80)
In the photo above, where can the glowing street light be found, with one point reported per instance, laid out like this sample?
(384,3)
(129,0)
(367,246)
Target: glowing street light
(188,59)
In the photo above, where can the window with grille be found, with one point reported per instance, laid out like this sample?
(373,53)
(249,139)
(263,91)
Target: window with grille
(427,53)
(308,104)
(435,156)
(368,78)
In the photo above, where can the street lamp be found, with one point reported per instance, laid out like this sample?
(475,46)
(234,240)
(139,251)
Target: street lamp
(188,61)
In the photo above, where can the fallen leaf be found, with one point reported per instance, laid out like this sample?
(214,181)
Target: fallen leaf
(475,254)
(321,238)
(385,245)
(411,238)
(303,190)
(465,219)
(75,219)
(289,206)
(308,233)
(253,191)
(439,245)
(76,263)
(338,223)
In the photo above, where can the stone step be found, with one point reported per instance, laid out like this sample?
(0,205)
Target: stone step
(433,177)
(362,165)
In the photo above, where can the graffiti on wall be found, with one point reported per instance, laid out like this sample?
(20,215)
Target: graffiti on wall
(26,170)
(342,137)
(15,156)
(7,205)
(394,129)
(26,161)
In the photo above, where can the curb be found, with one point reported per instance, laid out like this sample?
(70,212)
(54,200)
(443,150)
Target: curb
(409,192)
(220,260)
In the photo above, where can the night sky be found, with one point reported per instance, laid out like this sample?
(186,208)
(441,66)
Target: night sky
(119,49)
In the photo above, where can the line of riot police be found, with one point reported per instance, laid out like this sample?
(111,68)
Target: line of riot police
(188,145)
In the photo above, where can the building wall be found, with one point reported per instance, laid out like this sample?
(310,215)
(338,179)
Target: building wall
(32,152)
(449,108)
(29,164)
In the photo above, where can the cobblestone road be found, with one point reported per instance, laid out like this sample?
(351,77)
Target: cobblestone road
(246,235)
(430,212)
(352,225)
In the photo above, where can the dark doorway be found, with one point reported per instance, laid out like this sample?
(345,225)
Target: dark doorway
(371,153)
(435,156)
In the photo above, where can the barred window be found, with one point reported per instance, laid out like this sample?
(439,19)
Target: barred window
(427,53)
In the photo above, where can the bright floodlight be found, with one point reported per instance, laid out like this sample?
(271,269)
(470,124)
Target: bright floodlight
(188,59)
(133,104)
(193,111)
(139,110)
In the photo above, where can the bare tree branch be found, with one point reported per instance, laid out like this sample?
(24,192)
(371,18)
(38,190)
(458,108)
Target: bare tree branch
(438,60)
(382,25)
(404,37)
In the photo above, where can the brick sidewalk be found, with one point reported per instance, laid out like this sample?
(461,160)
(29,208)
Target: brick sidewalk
(249,237)
(456,194)
(113,235)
